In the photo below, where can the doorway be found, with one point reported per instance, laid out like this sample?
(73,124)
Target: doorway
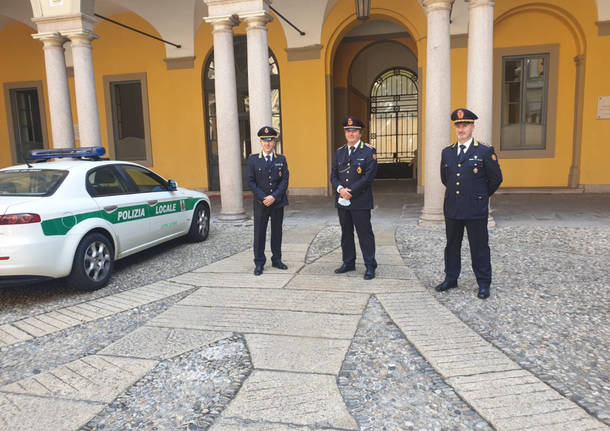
(26,123)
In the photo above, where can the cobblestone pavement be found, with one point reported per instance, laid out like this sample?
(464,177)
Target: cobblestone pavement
(306,349)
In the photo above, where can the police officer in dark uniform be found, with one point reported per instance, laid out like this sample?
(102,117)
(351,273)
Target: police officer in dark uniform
(268,180)
(471,173)
(353,171)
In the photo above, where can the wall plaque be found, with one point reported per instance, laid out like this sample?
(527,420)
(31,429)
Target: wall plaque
(603,107)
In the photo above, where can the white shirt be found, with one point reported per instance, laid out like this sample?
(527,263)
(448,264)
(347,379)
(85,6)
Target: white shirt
(348,147)
(467,144)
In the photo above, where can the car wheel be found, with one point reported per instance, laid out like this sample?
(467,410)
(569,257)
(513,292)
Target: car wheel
(200,225)
(93,263)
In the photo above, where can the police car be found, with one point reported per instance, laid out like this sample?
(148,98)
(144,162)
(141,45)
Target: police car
(74,216)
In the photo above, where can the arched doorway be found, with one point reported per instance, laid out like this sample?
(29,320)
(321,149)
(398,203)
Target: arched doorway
(243,109)
(375,77)
(394,126)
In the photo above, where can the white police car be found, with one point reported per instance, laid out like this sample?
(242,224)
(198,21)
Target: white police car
(76,217)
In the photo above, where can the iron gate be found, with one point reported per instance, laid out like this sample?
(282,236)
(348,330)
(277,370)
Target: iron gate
(394,116)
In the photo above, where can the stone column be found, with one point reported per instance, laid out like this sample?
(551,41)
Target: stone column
(84,83)
(438,107)
(62,128)
(259,80)
(479,91)
(229,147)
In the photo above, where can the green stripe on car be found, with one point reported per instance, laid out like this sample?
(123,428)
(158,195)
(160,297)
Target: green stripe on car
(62,225)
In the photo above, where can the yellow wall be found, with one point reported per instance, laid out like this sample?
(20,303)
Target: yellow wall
(177,114)
(174,98)
(22,60)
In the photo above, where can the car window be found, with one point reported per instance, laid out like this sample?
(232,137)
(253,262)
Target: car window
(145,180)
(106,181)
(30,182)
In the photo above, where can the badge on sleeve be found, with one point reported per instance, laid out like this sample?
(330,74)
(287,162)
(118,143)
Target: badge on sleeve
(374,156)
(494,157)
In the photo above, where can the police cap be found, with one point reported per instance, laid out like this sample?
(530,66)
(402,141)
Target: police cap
(463,115)
(352,123)
(267,133)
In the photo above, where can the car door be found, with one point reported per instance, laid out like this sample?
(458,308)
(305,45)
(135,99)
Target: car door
(166,208)
(120,205)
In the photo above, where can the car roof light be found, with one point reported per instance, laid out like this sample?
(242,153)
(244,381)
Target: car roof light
(61,153)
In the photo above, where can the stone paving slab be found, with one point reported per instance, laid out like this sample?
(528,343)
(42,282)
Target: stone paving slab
(306,355)
(354,284)
(10,334)
(270,281)
(259,321)
(570,420)
(383,271)
(92,378)
(247,257)
(74,315)
(161,343)
(291,398)
(278,299)
(382,259)
(230,266)
(232,424)
(507,396)
(25,412)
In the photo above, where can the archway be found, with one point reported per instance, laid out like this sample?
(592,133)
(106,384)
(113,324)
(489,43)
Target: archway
(365,86)
(241,75)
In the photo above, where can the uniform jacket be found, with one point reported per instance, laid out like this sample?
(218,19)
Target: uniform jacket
(357,173)
(265,181)
(470,183)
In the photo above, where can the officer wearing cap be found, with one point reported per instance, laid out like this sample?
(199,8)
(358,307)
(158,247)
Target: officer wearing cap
(353,171)
(471,174)
(268,180)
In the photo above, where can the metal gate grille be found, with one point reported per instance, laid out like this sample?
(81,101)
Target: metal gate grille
(394,125)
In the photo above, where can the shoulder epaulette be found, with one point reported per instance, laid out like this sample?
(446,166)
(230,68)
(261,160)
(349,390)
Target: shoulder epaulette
(482,143)
(369,145)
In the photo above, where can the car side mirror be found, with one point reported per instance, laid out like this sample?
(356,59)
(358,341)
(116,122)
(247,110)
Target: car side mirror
(173,185)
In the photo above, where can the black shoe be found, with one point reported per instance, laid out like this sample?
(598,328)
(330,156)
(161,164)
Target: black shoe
(369,274)
(445,285)
(258,270)
(345,268)
(483,292)
(279,265)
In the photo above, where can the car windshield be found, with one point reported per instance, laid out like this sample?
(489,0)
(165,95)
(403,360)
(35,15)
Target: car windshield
(30,182)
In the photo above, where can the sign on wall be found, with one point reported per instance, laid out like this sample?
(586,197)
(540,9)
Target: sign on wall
(603,107)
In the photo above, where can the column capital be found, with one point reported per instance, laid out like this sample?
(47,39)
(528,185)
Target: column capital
(477,3)
(435,5)
(50,39)
(79,37)
(256,19)
(220,23)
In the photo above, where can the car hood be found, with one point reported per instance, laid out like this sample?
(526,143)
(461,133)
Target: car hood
(8,202)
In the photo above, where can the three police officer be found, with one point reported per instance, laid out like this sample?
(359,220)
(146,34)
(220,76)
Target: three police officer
(471,174)
(268,180)
(353,170)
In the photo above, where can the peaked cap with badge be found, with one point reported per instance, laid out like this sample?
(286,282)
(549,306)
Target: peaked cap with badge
(267,133)
(463,116)
(352,123)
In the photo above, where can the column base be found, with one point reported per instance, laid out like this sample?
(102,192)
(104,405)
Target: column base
(232,216)
(428,218)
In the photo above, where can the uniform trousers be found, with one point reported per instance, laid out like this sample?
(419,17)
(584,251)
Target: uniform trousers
(262,214)
(478,238)
(361,220)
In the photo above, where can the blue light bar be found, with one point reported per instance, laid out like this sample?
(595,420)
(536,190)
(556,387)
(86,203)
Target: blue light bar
(61,153)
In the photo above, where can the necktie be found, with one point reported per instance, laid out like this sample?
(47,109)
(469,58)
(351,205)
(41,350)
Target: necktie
(268,158)
(462,153)
(351,150)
